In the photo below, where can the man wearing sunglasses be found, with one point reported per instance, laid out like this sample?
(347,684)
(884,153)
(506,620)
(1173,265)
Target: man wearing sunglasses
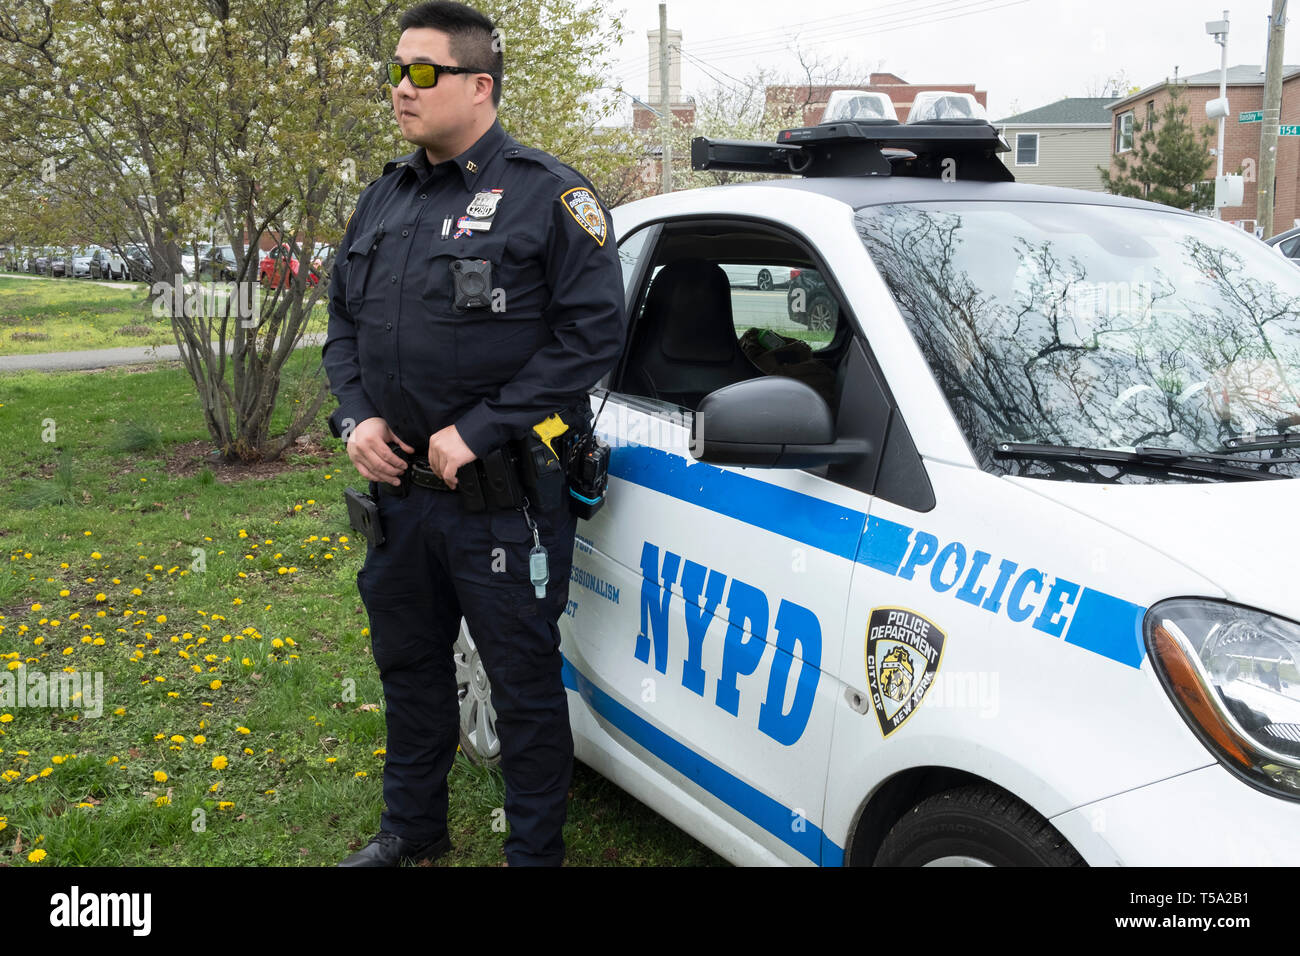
(476,295)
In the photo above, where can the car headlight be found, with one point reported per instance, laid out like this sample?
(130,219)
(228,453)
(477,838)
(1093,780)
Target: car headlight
(1232,673)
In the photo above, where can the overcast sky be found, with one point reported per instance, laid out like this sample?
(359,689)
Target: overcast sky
(1025,53)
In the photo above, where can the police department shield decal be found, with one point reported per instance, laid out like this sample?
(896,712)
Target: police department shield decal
(903,654)
(585,208)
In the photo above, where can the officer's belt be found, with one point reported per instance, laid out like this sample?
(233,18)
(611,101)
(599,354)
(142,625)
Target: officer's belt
(426,477)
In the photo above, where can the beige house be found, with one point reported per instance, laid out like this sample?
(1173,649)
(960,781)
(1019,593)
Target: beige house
(1061,144)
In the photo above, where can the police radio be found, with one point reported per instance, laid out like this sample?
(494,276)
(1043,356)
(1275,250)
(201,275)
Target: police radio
(587,468)
(588,474)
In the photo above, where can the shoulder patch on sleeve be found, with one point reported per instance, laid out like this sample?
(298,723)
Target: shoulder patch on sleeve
(584,207)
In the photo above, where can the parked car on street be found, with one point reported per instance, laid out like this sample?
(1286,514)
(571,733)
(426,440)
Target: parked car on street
(139,265)
(79,262)
(750,277)
(273,274)
(809,302)
(1020,593)
(107,264)
(218,262)
(1287,243)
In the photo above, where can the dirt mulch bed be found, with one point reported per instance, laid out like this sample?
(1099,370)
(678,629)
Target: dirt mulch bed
(190,458)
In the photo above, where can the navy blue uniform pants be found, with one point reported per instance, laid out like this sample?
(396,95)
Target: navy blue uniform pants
(438,564)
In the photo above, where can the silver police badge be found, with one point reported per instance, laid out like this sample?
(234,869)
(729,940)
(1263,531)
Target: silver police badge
(484,205)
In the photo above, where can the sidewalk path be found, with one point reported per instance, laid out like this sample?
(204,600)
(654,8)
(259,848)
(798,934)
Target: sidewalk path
(104,358)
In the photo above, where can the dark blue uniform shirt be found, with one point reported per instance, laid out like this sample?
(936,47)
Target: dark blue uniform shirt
(397,345)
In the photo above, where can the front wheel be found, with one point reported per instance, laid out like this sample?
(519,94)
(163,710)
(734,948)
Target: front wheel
(764,280)
(975,826)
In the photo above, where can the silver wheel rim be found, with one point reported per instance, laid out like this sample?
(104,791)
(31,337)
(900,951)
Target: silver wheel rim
(958,861)
(478,719)
(819,319)
(764,280)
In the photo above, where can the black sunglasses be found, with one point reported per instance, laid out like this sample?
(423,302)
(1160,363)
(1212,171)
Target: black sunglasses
(424,75)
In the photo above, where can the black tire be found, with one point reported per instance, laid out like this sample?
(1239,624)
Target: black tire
(764,280)
(973,826)
(821,314)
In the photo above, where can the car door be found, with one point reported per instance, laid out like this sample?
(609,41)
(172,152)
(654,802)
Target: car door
(707,603)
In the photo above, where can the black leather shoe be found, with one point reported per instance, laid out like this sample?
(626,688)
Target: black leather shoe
(388,849)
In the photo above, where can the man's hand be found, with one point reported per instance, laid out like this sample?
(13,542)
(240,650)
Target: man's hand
(369,451)
(447,453)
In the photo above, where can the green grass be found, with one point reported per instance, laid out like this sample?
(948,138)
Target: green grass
(39,314)
(249,582)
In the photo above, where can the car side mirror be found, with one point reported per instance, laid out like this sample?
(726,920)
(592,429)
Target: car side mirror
(770,422)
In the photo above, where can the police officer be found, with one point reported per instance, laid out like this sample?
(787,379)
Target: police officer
(475,293)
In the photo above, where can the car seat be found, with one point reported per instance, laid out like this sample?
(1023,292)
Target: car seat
(685,344)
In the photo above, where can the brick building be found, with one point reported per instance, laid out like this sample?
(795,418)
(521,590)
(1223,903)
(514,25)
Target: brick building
(1240,140)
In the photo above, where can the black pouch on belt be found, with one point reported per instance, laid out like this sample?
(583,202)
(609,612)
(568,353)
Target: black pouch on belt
(542,473)
(469,485)
(501,486)
(363,516)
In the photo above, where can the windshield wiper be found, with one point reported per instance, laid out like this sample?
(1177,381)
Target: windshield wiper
(1262,443)
(1160,459)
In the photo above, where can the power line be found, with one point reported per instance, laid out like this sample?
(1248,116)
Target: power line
(867,23)
(924,21)
(874,24)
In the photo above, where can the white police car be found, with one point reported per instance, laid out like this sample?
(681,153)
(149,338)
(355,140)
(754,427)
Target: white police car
(1009,580)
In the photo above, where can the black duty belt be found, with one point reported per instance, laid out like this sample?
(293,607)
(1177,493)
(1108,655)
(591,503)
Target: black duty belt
(426,477)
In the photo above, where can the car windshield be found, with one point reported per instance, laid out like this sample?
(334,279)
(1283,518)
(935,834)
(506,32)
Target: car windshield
(1096,326)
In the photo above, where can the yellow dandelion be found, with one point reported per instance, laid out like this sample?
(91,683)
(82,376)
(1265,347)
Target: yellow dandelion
(215,685)
(159,776)
(36,856)
(220,763)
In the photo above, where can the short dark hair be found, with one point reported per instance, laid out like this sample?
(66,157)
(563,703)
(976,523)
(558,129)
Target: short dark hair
(473,37)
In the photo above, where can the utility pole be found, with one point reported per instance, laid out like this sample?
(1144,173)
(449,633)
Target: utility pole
(1223,86)
(665,108)
(1268,133)
(1219,30)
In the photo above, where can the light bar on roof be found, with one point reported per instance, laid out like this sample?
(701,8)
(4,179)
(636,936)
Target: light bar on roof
(859,106)
(942,106)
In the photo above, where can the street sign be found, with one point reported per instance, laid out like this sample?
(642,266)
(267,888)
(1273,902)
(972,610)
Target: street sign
(1255,116)
(1288,131)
